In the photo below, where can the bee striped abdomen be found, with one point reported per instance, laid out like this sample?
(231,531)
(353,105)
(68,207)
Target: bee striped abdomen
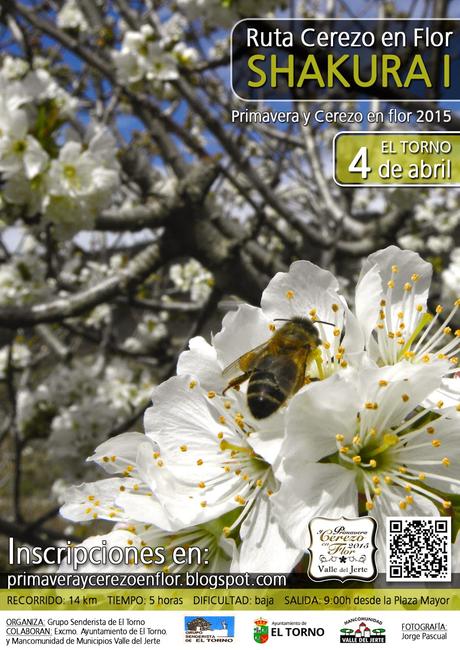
(270,385)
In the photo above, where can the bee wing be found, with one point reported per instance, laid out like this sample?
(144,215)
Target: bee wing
(245,362)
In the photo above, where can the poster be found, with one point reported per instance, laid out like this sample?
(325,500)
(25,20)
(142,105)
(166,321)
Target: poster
(229,323)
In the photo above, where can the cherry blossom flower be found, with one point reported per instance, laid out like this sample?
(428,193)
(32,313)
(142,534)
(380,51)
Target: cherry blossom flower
(377,451)
(142,56)
(19,151)
(391,307)
(215,458)
(71,17)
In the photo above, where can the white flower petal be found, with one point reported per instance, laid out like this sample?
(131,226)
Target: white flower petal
(401,267)
(180,418)
(316,415)
(17,125)
(117,453)
(265,548)
(35,158)
(241,331)
(408,263)
(200,360)
(407,386)
(296,292)
(448,393)
(268,437)
(313,490)
(185,425)
(145,509)
(70,152)
(369,293)
(83,502)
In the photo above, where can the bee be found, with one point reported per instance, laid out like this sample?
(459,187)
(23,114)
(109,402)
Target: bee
(276,369)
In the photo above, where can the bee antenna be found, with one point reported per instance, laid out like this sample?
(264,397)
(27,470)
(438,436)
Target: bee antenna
(287,320)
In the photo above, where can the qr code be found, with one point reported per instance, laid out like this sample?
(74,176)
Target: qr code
(418,549)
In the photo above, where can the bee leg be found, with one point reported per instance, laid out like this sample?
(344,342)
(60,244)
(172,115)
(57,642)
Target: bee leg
(236,381)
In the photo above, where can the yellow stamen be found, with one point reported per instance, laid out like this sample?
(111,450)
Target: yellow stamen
(371,406)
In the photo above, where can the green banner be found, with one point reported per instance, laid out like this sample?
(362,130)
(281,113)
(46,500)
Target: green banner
(397,158)
(231,599)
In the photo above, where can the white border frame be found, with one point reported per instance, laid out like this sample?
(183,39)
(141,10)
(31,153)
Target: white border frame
(391,101)
(387,133)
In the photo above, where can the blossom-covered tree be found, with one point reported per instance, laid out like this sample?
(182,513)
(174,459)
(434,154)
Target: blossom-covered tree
(133,212)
